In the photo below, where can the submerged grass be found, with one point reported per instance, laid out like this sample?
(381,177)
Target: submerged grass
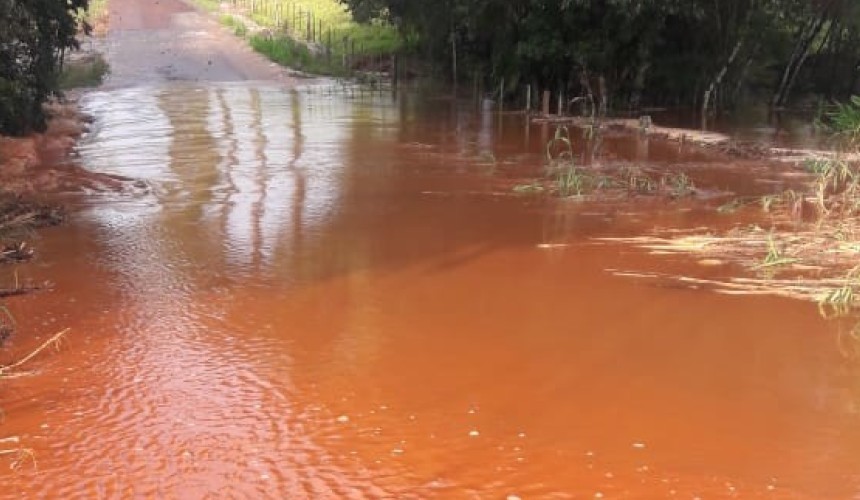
(564,178)
(812,248)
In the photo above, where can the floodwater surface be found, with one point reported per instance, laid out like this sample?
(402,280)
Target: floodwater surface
(329,292)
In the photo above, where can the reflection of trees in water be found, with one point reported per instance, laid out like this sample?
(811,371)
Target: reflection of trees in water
(260,179)
(193,151)
(300,190)
(193,160)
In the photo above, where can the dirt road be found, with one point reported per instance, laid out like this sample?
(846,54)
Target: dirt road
(170,40)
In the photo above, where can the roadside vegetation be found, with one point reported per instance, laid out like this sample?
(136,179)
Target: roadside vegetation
(314,36)
(34,37)
(629,54)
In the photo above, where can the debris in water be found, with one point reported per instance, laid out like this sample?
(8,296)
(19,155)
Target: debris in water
(474,433)
(545,246)
(343,419)
(639,446)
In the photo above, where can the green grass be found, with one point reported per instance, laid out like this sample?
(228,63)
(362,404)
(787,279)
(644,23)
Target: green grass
(332,25)
(288,52)
(844,121)
(97,9)
(88,72)
(327,49)
(239,28)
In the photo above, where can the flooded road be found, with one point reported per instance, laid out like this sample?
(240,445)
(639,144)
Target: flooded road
(330,292)
(325,296)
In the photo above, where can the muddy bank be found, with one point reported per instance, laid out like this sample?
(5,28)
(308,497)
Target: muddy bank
(41,163)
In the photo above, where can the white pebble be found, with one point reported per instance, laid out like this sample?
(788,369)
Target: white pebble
(343,419)
(513,497)
(474,433)
(639,446)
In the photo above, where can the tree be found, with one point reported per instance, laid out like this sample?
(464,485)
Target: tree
(633,52)
(34,34)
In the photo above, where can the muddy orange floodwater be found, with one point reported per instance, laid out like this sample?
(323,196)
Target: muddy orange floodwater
(325,294)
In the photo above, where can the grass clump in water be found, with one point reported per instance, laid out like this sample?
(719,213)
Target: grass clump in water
(812,249)
(566,179)
(89,71)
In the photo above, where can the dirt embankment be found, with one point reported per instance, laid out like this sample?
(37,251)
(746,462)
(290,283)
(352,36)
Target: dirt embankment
(41,163)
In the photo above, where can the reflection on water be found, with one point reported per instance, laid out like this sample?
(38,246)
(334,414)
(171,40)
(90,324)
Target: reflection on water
(325,295)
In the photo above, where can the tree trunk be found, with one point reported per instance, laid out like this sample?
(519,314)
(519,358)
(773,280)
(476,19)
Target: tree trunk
(718,78)
(795,63)
(604,97)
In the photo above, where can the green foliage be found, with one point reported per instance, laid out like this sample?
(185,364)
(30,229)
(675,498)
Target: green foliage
(316,36)
(88,72)
(288,52)
(662,51)
(570,182)
(238,27)
(33,36)
(845,120)
(332,25)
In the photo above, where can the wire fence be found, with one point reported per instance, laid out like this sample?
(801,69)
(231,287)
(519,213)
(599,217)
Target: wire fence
(327,31)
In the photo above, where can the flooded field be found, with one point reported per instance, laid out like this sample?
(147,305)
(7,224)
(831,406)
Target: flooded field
(332,293)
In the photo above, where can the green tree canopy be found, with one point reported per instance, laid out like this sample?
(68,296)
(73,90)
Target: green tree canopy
(654,51)
(34,34)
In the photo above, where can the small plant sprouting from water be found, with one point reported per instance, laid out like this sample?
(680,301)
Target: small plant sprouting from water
(570,182)
(678,184)
(565,178)
(559,149)
(775,256)
(844,120)
(841,301)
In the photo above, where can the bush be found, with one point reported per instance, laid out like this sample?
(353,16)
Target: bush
(33,38)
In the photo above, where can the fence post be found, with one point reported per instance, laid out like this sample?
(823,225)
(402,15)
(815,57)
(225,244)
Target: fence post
(560,102)
(502,96)
(528,99)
